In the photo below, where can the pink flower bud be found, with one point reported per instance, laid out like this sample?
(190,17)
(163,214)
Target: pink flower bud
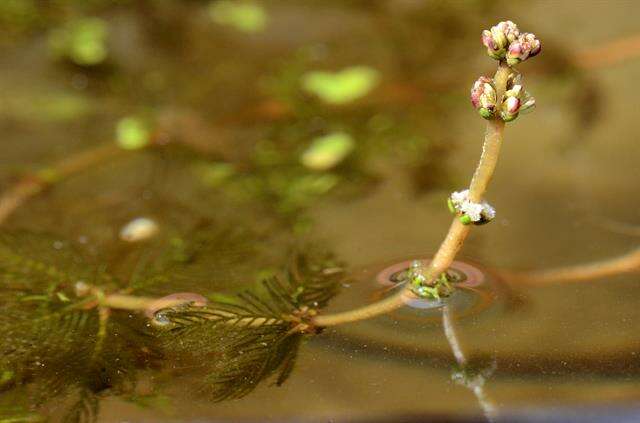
(484,97)
(512,105)
(534,44)
(487,40)
(479,87)
(527,45)
(508,29)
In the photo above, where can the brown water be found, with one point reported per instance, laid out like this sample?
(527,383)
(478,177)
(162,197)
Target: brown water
(214,95)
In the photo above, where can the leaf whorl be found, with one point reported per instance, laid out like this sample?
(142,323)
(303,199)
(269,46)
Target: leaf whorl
(254,336)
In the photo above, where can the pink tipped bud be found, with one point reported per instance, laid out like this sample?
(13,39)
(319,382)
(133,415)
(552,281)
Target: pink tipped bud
(534,44)
(527,45)
(484,97)
(516,53)
(487,40)
(515,100)
(512,105)
(499,37)
(508,29)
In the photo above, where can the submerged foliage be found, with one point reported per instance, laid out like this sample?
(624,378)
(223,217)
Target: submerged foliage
(255,336)
(59,340)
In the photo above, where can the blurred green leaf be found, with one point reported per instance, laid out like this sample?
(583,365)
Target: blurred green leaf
(327,151)
(243,16)
(83,41)
(341,87)
(132,134)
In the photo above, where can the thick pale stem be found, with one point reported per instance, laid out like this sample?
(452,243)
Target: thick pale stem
(457,231)
(492,142)
(130,302)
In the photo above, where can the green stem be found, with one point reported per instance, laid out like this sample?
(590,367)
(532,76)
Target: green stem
(457,231)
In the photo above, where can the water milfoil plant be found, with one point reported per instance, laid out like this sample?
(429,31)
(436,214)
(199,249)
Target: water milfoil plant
(240,341)
(499,100)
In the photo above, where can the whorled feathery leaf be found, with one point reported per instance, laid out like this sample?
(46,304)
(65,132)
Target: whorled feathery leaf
(256,336)
(40,267)
(84,409)
(55,343)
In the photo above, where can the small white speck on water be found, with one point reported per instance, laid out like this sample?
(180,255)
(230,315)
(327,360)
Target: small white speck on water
(139,229)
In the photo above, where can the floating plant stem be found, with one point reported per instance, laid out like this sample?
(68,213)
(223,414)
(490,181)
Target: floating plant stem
(626,263)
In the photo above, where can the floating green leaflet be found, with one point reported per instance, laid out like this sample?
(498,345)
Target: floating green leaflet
(244,16)
(132,134)
(341,87)
(327,151)
(83,41)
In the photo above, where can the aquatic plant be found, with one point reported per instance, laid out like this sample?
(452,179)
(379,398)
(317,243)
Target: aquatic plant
(253,336)
(70,328)
(55,338)
(256,336)
(55,322)
(498,100)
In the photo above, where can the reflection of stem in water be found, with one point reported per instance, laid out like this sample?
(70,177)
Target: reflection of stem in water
(33,185)
(457,231)
(627,263)
(476,385)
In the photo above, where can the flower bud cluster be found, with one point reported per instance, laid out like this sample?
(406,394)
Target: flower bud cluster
(514,101)
(505,42)
(469,212)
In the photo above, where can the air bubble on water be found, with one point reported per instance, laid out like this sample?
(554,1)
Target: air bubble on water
(160,320)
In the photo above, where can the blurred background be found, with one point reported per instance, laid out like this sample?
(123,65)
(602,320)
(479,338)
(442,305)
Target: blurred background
(341,126)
